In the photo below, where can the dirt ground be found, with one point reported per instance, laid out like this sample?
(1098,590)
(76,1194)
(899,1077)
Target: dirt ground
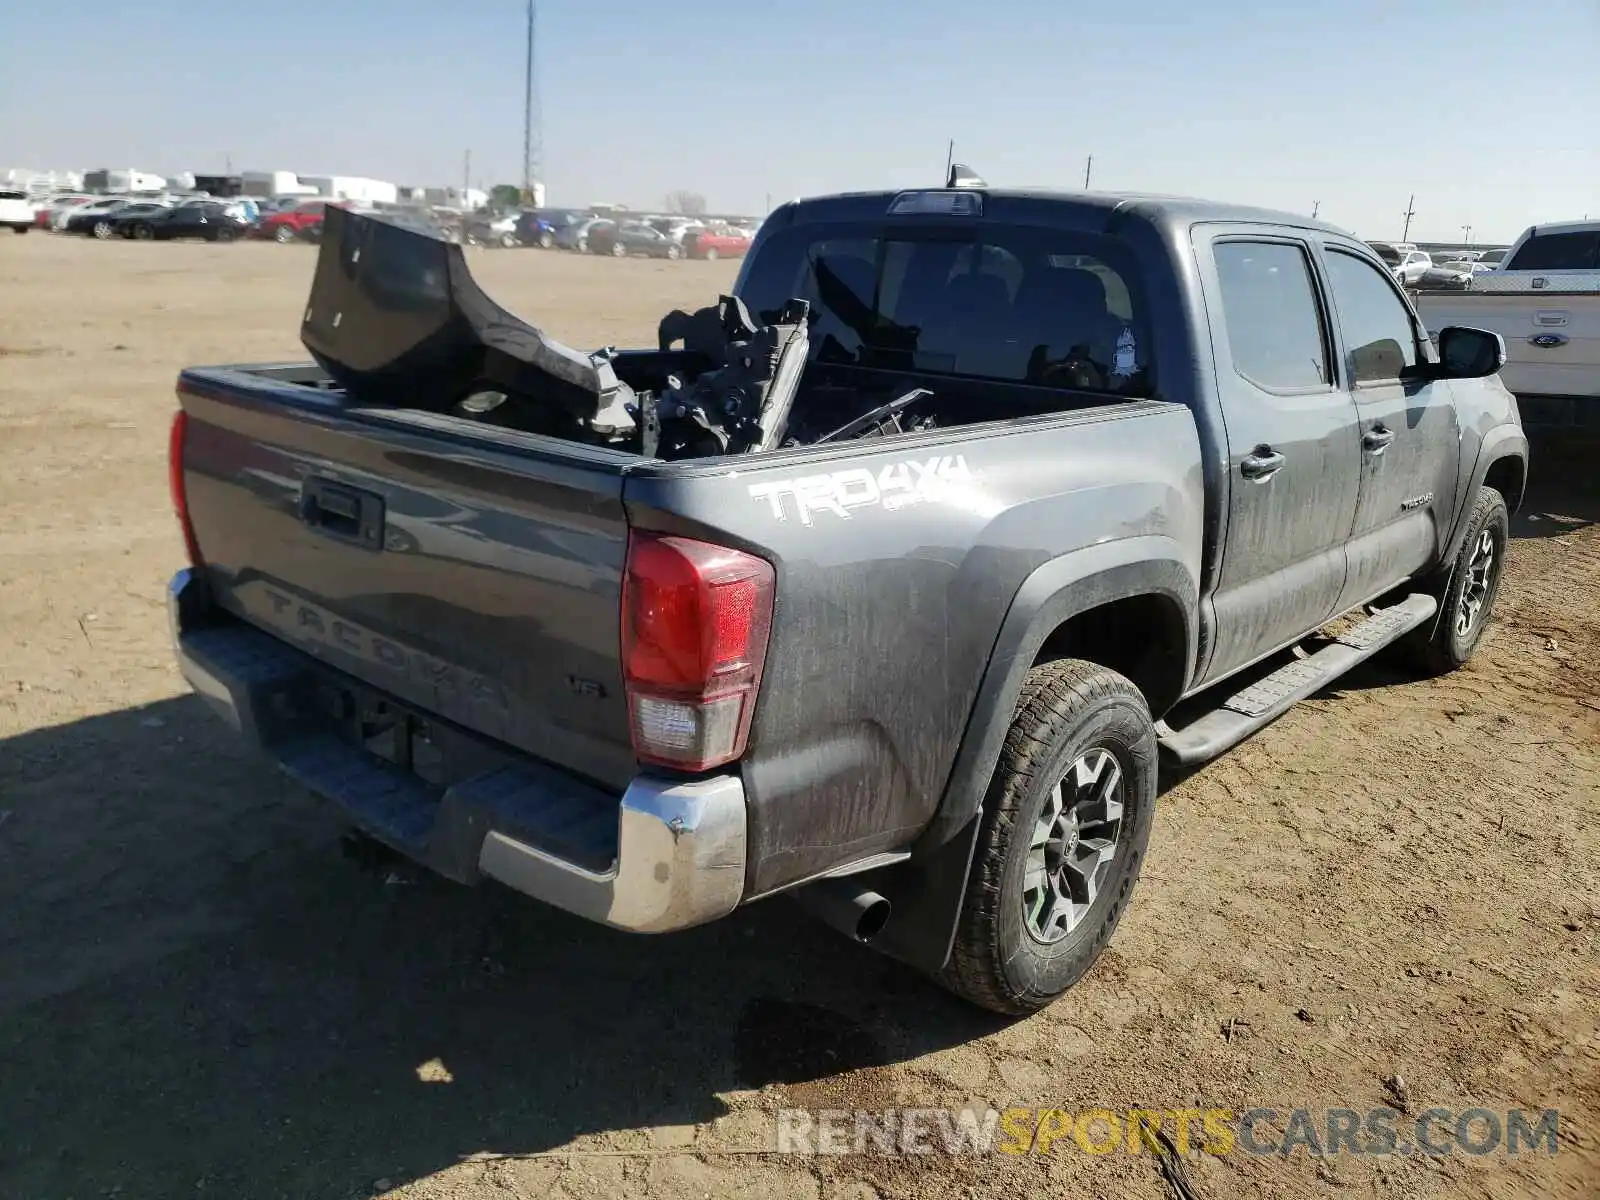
(199,996)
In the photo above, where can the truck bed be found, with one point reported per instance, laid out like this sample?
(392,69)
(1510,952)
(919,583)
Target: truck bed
(469,577)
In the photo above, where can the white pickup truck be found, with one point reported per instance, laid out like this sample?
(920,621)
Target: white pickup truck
(1544,300)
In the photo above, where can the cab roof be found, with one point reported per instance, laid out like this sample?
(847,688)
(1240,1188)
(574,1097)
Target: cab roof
(1088,210)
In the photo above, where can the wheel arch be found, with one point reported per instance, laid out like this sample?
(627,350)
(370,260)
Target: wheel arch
(1144,591)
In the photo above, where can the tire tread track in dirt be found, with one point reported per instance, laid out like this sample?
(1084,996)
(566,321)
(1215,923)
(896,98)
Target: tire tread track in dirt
(199,996)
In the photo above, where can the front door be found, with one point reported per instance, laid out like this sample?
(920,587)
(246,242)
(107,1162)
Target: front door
(1410,437)
(1294,464)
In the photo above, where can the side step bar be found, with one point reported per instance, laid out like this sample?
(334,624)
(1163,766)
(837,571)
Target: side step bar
(1263,702)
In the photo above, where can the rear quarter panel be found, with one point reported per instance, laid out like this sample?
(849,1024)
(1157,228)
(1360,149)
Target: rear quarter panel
(897,563)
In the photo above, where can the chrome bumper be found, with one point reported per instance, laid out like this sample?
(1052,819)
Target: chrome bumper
(679,847)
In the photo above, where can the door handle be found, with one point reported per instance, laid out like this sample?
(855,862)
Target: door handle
(1376,440)
(1261,463)
(346,513)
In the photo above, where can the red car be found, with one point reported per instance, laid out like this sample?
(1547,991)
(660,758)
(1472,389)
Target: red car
(288,224)
(711,243)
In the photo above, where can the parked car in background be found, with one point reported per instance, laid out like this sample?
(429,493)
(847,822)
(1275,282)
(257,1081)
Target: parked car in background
(1407,263)
(1493,257)
(716,243)
(208,220)
(580,234)
(483,229)
(16,213)
(98,220)
(543,227)
(1443,277)
(286,224)
(45,213)
(638,238)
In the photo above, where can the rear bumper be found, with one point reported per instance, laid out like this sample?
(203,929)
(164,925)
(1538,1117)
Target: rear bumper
(665,855)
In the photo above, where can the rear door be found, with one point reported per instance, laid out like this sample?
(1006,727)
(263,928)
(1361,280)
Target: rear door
(1410,436)
(1293,460)
(475,582)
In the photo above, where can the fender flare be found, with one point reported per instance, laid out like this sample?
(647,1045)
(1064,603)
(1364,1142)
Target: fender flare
(926,891)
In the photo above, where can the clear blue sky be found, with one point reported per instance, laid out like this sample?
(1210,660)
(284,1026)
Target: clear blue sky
(1488,111)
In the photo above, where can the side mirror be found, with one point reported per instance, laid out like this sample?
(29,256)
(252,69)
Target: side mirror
(1470,353)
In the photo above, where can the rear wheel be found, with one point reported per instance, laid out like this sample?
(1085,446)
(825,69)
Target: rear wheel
(1065,826)
(618,250)
(546,240)
(143,232)
(103,230)
(283,235)
(674,252)
(711,254)
(1466,591)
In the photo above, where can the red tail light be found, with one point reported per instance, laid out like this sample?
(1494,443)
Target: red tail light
(695,621)
(180,494)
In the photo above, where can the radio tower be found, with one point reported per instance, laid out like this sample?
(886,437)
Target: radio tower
(532,137)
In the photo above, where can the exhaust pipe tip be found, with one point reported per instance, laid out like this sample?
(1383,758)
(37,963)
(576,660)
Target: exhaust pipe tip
(858,913)
(874,916)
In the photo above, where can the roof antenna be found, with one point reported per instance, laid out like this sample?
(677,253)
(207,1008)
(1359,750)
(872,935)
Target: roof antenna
(963,176)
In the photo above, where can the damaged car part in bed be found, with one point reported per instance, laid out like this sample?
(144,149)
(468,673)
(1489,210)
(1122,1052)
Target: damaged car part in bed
(396,319)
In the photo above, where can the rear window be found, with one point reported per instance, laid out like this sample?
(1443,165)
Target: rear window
(11,195)
(1015,304)
(1558,252)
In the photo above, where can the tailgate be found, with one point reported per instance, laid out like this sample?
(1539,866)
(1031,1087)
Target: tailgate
(1552,338)
(474,582)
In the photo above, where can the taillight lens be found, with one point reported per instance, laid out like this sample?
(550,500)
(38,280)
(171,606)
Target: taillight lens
(180,494)
(695,622)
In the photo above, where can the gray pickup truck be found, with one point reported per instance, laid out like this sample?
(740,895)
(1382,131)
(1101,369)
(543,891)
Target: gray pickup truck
(891,595)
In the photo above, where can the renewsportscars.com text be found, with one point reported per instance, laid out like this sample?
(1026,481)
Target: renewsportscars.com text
(1256,1131)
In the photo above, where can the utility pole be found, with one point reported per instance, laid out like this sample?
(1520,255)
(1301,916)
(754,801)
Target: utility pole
(1088,170)
(1316,206)
(532,134)
(466,177)
(1411,211)
(227,164)
(1467,229)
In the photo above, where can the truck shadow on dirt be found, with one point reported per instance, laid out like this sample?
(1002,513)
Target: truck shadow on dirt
(201,995)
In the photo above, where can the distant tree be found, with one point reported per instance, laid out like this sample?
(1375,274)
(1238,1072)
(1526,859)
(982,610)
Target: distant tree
(690,204)
(505,195)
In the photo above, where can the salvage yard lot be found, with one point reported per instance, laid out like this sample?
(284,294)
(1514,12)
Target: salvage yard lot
(199,996)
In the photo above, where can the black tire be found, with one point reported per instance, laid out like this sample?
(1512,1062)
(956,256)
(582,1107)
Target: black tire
(143,232)
(546,240)
(19,230)
(1069,711)
(1444,645)
(103,230)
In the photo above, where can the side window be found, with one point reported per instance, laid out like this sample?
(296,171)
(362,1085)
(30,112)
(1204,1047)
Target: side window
(1269,307)
(1377,326)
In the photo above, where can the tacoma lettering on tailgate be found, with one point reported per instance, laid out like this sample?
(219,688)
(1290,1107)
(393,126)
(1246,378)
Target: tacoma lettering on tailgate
(316,627)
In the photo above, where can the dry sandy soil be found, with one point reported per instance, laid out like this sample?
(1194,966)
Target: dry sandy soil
(199,996)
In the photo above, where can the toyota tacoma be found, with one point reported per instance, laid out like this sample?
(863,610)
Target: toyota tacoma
(886,581)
